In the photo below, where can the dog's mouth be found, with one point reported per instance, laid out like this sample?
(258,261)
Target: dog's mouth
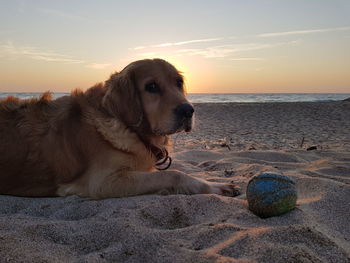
(184,117)
(185,124)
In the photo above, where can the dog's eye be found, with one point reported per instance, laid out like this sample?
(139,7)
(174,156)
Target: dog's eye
(152,88)
(179,83)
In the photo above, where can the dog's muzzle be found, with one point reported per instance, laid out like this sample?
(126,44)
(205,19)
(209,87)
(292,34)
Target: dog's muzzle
(184,113)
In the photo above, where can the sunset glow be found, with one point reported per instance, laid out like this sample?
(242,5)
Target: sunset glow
(220,46)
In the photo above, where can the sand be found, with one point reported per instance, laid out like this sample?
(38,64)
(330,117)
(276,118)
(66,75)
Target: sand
(231,142)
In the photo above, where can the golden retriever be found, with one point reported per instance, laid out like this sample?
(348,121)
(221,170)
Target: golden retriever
(104,142)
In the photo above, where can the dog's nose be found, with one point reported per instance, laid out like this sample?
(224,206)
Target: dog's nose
(184,110)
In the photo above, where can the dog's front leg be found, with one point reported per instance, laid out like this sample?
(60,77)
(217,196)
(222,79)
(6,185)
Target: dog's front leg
(172,182)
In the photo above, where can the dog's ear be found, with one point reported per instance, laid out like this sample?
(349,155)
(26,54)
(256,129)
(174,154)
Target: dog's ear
(122,99)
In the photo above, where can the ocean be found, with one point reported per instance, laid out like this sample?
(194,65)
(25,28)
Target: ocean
(267,97)
(230,97)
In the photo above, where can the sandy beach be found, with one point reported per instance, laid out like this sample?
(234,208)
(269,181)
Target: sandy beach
(308,141)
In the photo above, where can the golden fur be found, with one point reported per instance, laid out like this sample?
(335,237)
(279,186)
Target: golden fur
(100,143)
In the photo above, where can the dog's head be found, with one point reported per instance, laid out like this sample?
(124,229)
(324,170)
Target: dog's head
(149,94)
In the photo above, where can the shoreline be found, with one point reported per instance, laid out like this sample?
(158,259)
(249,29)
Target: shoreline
(227,97)
(274,102)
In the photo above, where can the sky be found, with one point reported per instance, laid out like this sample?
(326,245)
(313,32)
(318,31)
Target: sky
(221,46)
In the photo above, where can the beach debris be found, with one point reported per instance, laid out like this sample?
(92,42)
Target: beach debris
(302,142)
(207,165)
(207,147)
(311,148)
(229,173)
(248,174)
(226,145)
(271,194)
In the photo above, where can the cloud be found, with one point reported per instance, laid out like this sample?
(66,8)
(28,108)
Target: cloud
(209,52)
(218,51)
(138,48)
(246,59)
(187,42)
(224,51)
(304,32)
(9,50)
(170,44)
(98,65)
(34,53)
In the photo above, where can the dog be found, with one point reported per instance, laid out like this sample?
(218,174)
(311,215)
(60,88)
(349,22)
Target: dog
(105,142)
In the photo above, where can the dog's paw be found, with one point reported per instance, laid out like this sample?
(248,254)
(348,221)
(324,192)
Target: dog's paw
(226,189)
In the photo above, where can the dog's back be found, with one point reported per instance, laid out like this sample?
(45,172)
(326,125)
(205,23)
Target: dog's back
(35,144)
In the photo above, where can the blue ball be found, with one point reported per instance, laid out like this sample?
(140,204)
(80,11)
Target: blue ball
(271,194)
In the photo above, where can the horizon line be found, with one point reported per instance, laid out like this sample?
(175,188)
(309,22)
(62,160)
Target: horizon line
(198,93)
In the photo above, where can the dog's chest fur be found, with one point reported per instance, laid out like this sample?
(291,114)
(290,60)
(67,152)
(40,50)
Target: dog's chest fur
(124,141)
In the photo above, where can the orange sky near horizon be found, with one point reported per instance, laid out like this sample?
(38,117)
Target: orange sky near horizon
(222,47)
